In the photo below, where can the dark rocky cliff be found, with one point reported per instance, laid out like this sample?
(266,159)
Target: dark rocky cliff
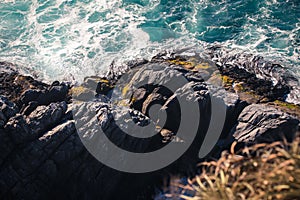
(42,156)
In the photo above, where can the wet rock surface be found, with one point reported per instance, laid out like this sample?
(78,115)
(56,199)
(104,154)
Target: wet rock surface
(42,152)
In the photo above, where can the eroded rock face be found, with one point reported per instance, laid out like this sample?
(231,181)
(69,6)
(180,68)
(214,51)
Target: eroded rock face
(42,157)
(22,129)
(260,123)
(55,93)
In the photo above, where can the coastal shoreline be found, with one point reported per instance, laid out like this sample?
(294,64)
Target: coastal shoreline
(43,156)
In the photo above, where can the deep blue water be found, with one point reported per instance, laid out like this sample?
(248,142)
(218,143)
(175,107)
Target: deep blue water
(59,39)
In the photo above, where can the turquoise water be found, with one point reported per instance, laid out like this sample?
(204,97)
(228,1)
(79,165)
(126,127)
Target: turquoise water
(70,39)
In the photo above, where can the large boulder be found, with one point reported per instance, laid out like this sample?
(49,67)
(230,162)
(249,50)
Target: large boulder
(260,123)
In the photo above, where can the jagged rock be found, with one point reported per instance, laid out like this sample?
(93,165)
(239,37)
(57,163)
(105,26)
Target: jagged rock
(42,152)
(142,98)
(57,164)
(103,87)
(22,129)
(24,89)
(26,110)
(14,84)
(92,82)
(282,84)
(30,166)
(8,68)
(7,110)
(30,95)
(82,93)
(267,78)
(260,123)
(54,93)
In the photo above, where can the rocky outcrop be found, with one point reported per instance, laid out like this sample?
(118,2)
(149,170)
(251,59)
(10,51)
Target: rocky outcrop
(260,123)
(55,93)
(43,126)
(42,157)
(14,84)
(278,80)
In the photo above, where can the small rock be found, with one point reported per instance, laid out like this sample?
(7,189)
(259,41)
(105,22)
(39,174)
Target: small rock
(55,83)
(7,110)
(103,87)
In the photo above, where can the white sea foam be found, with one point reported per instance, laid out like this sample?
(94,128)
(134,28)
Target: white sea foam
(65,40)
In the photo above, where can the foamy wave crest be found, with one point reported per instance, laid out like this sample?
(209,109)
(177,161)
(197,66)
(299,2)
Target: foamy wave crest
(71,39)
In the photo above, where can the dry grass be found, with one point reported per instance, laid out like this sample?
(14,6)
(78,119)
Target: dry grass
(263,171)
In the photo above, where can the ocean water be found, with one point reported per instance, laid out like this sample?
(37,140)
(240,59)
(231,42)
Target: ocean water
(71,39)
